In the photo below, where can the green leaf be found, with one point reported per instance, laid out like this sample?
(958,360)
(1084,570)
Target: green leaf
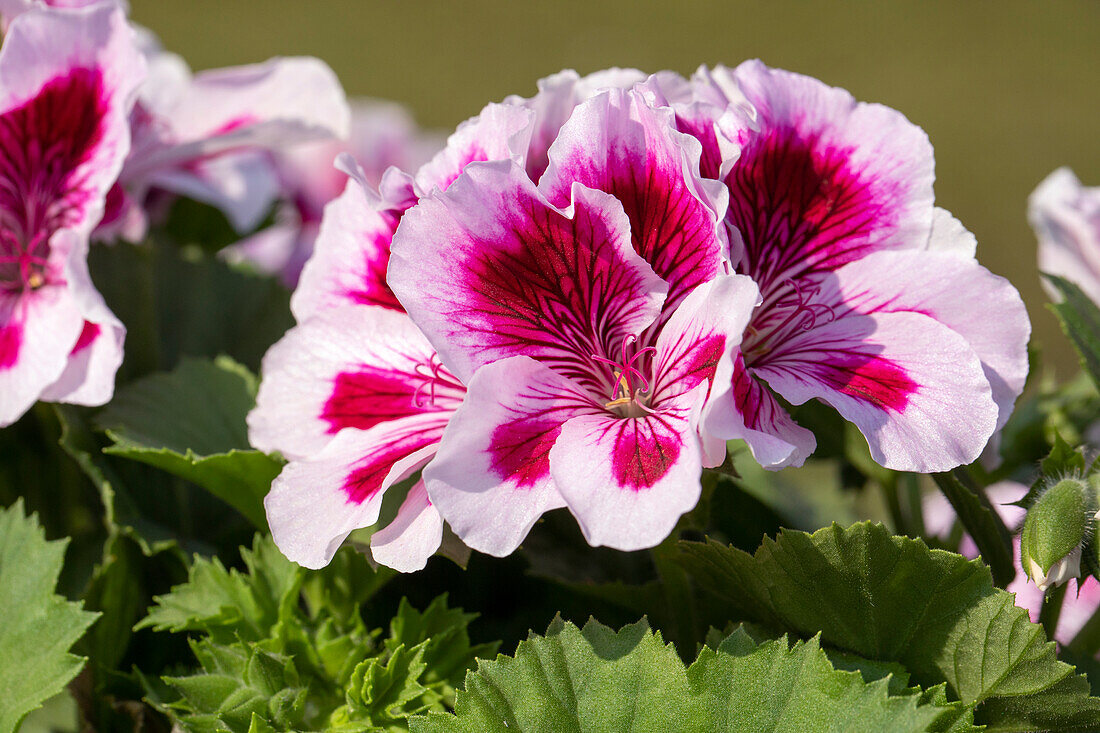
(984,525)
(237,684)
(448,653)
(597,679)
(892,599)
(771,687)
(39,627)
(1080,319)
(227,604)
(380,691)
(573,680)
(206,439)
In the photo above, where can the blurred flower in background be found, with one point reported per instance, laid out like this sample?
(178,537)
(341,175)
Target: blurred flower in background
(383,134)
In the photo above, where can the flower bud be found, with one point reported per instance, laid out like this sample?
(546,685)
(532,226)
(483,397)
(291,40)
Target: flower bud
(1057,525)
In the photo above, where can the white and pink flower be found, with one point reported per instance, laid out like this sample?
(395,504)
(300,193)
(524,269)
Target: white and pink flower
(355,395)
(1066,218)
(67,83)
(872,299)
(383,135)
(210,136)
(567,262)
(588,317)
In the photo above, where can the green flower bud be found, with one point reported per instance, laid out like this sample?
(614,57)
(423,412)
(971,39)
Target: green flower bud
(1057,525)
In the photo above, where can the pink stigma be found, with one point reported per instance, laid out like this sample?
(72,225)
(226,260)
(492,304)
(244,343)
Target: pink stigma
(630,383)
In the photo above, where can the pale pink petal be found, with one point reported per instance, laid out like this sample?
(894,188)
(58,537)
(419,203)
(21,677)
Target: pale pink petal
(37,332)
(406,543)
(1066,219)
(700,339)
(825,180)
(350,257)
(384,134)
(489,269)
(243,185)
(617,143)
(749,412)
(227,112)
(317,501)
(914,387)
(491,476)
(628,480)
(558,95)
(281,250)
(500,132)
(698,344)
(986,310)
(351,367)
(949,235)
(89,377)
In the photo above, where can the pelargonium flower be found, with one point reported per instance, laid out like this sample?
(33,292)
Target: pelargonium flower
(383,135)
(588,317)
(209,136)
(1066,219)
(355,395)
(67,81)
(872,299)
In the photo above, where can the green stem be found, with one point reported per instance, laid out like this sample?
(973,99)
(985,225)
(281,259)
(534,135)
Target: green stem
(982,522)
(1052,608)
(893,503)
(911,487)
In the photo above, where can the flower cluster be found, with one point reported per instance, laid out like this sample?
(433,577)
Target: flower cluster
(99,129)
(585,294)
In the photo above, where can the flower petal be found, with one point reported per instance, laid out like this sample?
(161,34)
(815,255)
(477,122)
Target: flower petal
(914,387)
(489,269)
(628,480)
(227,112)
(825,180)
(491,476)
(37,332)
(500,132)
(617,143)
(351,367)
(64,130)
(986,310)
(406,543)
(558,95)
(1066,218)
(316,502)
(755,416)
(350,257)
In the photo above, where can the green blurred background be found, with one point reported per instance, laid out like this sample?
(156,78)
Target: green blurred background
(1007,90)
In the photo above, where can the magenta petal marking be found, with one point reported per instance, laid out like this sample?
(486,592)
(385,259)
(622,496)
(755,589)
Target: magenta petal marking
(368,477)
(644,451)
(42,143)
(873,379)
(373,289)
(11,339)
(800,208)
(87,335)
(366,398)
(371,396)
(520,450)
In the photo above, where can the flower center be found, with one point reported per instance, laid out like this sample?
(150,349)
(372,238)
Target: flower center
(629,386)
(23,265)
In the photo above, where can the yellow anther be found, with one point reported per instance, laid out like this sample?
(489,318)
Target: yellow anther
(36,280)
